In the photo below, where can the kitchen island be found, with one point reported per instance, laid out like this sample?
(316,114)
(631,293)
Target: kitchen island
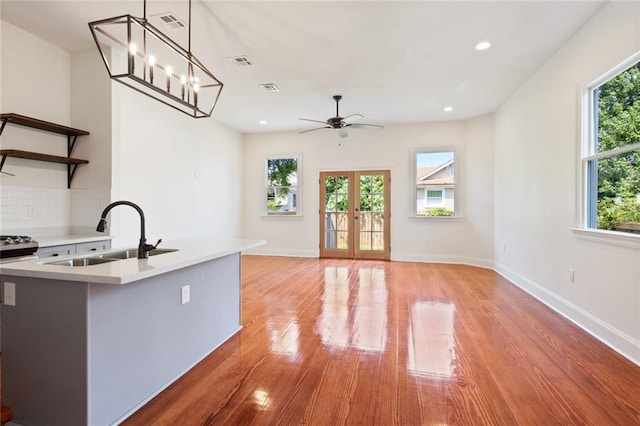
(90,345)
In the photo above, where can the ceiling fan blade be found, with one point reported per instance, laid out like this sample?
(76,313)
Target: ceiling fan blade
(342,132)
(351,118)
(315,121)
(317,128)
(366,126)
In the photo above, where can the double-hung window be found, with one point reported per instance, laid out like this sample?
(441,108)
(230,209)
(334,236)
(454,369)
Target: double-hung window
(611,156)
(281,185)
(434,182)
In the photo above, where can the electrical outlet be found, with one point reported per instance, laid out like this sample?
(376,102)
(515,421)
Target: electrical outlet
(10,294)
(572,276)
(31,211)
(185,294)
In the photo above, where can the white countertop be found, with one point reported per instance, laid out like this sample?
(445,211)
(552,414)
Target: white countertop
(60,240)
(190,252)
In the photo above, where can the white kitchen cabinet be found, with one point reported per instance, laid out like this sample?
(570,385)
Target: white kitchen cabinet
(55,251)
(93,246)
(69,249)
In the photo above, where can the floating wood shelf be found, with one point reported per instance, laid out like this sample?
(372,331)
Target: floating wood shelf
(71,134)
(41,157)
(34,123)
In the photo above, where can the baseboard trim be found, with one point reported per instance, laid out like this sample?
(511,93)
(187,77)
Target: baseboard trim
(461,260)
(620,342)
(265,251)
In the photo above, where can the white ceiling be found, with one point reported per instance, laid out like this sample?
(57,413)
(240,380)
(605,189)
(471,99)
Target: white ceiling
(394,62)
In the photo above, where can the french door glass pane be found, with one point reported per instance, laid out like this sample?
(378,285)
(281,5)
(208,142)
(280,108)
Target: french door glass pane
(336,212)
(371,212)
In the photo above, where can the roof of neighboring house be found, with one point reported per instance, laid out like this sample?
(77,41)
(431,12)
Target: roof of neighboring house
(440,181)
(429,175)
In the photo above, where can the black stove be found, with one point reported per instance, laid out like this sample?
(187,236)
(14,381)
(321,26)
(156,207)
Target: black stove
(17,246)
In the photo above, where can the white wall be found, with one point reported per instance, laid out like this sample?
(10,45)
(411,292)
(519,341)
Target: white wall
(41,80)
(35,81)
(186,174)
(537,148)
(90,109)
(468,240)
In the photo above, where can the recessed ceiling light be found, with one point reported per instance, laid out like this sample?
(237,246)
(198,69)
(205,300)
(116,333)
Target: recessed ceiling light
(263,122)
(448,109)
(483,45)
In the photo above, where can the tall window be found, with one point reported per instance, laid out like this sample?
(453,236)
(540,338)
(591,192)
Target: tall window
(435,183)
(612,160)
(282,185)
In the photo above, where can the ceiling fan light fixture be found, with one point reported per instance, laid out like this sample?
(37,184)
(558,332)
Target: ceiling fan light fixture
(341,123)
(141,57)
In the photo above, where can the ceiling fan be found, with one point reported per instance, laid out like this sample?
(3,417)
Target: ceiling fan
(341,123)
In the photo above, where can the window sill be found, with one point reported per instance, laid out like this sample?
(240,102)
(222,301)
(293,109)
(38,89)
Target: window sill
(608,237)
(436,218)
(282,216)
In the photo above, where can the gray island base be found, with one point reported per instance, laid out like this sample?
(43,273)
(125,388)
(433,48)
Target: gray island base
(90,353)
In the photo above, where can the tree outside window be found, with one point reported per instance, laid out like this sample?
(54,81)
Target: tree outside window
(282,186)
(613,164)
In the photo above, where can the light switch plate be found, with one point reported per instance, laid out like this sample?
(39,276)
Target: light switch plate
(9,294)
(185,294)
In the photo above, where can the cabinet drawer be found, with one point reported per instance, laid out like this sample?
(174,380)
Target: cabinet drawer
(55,251)
(93,246)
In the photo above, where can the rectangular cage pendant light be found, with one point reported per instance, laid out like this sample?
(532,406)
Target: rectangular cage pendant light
(141,57)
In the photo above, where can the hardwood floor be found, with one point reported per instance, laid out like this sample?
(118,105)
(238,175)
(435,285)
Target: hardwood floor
(340,342)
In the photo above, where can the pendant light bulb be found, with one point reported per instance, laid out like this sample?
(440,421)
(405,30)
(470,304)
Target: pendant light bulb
(152,62)
(168,70)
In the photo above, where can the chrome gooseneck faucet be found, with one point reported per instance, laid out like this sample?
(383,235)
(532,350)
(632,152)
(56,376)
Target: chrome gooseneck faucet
(143,247)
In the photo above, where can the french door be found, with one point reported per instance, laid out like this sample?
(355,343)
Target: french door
(354,214)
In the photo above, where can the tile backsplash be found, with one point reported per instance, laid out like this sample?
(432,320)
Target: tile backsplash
(32,210)
(86,207)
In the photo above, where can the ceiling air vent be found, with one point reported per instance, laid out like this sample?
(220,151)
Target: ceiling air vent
(241,61)
(168,20)
(269,87)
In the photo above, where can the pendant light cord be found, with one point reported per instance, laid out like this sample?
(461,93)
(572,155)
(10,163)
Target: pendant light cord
(189,47)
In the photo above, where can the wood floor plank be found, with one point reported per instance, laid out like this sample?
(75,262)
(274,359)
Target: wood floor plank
(346,342)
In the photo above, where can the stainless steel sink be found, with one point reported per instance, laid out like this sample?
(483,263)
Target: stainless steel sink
(82,261)
(106,257)
(133,253)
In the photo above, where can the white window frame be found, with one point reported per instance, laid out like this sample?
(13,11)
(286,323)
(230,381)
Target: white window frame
(457,202)
(298,186)
(588,153)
